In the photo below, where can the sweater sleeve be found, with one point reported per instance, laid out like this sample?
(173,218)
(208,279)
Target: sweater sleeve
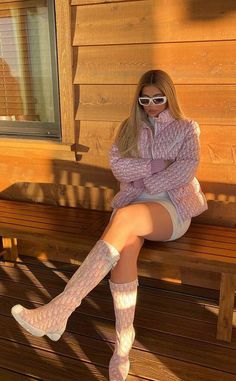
(128,169)
(183,170)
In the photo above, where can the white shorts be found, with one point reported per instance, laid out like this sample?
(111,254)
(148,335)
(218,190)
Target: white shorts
(179,227)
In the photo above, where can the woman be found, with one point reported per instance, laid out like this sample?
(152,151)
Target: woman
(155,157)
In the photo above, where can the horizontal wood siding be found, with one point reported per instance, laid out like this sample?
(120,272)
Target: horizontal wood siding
(195,42)
(152,21)
(215,104)
(212,62)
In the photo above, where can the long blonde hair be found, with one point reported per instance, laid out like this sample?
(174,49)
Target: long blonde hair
(127,136)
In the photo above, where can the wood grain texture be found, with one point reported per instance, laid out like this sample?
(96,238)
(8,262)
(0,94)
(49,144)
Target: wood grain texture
(65,66)
(215,173)
(217,164)
(87,2)
(217,145)
(213,104)
(170,348)
(212,249)
(13,376)
(186,62)
(150,21)
(98,137)
(227,293)
(10,246)
(193,41)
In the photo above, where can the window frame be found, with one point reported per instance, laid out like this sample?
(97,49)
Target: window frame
(35,130)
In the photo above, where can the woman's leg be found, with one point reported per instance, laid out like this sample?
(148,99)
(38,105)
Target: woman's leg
(122,273)
(124,300)
(132,221)
(148,220)
(51,318)
(123,285)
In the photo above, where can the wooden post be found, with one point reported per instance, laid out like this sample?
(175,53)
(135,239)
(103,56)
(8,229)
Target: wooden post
(65,67)
(10,251)
(225,319)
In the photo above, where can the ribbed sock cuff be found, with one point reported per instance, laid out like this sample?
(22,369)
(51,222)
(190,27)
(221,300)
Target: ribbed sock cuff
(124,286)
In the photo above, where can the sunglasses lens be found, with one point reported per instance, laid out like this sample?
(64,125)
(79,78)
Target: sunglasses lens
(144,101)
(158,100)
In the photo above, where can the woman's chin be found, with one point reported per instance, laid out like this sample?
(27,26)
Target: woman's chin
(153,114)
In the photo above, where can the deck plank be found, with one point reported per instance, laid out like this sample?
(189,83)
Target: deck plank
(56,223)
(174,331)
(8,375)
(81,345)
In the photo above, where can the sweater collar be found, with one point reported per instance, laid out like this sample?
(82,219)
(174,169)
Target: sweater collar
(164,117)
(159,123)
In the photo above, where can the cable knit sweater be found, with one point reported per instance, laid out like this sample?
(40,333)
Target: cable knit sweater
(174,140)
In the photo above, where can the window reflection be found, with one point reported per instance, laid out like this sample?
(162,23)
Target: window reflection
(26,82)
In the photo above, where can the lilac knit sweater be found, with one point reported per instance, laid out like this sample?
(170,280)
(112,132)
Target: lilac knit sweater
(174,140)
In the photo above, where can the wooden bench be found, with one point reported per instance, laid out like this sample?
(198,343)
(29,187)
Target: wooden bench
(204,247)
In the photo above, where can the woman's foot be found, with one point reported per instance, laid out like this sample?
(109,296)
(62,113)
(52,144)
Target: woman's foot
(41,321)
(119,364)
(124,298)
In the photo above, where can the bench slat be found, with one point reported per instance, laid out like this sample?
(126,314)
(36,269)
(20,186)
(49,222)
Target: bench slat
(82,218)
(204,235)
(85,227)
(51,224)
(192,244)
(201,261)
(158,254)
(213,229)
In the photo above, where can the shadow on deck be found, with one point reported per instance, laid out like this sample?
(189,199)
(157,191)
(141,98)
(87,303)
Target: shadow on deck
(175,331)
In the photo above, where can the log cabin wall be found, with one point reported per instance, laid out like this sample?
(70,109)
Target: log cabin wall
(103,48)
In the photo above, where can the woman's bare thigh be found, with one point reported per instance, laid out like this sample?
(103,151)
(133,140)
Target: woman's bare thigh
(162,223)
(149,220)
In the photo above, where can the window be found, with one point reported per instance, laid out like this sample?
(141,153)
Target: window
(29,104)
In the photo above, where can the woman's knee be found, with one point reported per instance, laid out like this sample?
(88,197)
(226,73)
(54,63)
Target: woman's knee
(123,217)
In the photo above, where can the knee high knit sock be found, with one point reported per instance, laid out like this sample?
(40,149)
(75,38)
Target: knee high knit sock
(51,318)
(124,298)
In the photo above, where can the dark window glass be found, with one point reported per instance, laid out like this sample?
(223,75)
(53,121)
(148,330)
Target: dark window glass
(29,104)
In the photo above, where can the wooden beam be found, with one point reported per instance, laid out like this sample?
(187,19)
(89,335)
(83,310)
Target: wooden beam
(65,66)
(227,292)
(10,251)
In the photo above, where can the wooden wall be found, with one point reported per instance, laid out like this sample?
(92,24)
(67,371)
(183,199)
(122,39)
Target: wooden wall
(195,42)
(103,48)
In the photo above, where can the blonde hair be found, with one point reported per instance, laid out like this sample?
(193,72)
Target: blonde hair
(127,136)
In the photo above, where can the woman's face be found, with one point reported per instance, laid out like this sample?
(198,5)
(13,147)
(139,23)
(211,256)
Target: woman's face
(153,109)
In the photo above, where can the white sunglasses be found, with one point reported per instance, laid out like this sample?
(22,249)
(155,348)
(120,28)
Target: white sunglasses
(158,100)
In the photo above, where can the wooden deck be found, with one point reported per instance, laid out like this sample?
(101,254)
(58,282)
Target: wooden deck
(175,331)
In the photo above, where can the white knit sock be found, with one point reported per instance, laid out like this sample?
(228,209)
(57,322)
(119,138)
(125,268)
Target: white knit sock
(124,298)
(51,318)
